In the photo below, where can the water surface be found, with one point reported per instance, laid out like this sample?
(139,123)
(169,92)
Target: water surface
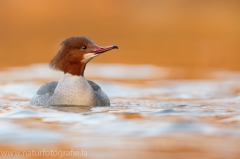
(149,116)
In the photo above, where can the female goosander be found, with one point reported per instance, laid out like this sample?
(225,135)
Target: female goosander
(73,88)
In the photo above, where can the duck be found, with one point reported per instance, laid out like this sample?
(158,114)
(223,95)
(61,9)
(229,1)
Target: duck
(73,89)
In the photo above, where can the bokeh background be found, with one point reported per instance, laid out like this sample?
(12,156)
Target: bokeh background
(186,34)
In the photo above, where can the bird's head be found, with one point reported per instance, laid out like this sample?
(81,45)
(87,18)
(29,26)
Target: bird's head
(75,53)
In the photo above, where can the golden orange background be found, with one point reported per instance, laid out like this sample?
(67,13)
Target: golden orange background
(171,33)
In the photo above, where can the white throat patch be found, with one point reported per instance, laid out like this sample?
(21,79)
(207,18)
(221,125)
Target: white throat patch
(87,57)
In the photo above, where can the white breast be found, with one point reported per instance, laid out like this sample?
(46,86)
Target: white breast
(73,90)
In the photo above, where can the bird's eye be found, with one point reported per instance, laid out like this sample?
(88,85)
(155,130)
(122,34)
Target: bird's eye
(84,47)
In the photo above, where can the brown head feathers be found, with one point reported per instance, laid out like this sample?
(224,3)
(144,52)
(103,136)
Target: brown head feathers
(74,54)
